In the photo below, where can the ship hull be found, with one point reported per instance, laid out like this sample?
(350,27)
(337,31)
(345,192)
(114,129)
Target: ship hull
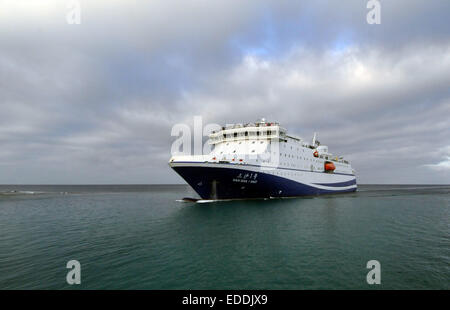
(234,181)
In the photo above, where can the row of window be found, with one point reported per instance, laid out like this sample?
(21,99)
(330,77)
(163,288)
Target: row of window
(251,133)
(285,155)
(286,173)
(253,142)
(288,155)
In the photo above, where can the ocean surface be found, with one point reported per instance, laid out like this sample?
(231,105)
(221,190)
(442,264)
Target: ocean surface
(141,237)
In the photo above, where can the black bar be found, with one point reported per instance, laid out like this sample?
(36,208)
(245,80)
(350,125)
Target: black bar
(250,299)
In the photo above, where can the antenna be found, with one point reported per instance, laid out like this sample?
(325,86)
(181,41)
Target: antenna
(314,139)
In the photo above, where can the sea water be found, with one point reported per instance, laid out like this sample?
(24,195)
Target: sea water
(142,237)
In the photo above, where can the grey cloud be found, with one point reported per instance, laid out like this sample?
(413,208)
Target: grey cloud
(95,103)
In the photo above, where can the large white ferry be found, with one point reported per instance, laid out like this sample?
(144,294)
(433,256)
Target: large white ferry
(261,160)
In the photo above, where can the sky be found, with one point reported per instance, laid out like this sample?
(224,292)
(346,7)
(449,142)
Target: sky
(95,102)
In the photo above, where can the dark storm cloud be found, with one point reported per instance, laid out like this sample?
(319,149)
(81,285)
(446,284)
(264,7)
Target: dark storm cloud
(95,103)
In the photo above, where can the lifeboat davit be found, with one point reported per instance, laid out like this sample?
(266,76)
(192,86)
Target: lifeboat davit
(329,166)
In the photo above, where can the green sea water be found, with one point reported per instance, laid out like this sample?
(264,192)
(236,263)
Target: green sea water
(141,237)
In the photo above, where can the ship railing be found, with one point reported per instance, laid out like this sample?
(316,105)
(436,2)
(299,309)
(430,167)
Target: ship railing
(253,128)
(190,158)
(246,125)
(337,159)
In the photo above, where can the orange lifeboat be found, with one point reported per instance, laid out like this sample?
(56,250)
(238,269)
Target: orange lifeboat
(329,166)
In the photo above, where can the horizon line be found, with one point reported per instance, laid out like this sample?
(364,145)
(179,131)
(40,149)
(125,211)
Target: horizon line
(170,184)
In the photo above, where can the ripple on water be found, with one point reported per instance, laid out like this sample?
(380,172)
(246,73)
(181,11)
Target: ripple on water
(145,239)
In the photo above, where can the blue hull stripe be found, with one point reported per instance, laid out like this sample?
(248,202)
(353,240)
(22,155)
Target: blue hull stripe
(340,184)
(225,183)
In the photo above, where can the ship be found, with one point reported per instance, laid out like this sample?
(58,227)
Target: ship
(261,160)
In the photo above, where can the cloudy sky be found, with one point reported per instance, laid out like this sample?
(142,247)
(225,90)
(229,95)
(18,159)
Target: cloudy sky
(96,102)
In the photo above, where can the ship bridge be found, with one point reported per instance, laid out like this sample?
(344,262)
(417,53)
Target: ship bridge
(261,130)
